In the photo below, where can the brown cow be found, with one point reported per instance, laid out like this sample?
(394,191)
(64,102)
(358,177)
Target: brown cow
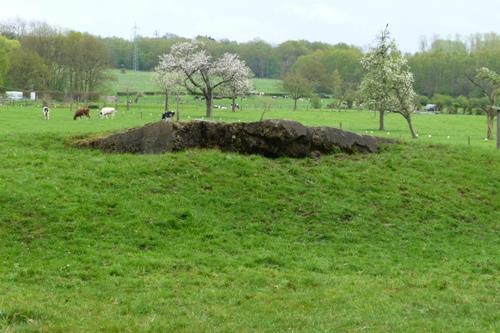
(82,112)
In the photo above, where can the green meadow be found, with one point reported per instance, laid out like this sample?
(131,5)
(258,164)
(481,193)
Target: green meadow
(144,81)
(406,240)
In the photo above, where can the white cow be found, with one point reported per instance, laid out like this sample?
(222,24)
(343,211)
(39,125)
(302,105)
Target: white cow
(107,112)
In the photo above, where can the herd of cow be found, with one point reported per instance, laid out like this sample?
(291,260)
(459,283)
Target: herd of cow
(105,112)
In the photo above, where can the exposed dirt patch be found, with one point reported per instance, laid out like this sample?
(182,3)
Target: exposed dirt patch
(270,138)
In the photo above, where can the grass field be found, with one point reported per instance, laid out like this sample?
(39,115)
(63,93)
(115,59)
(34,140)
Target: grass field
(204,241)
(446,129)
(268,86)
(143,81)
(132,81)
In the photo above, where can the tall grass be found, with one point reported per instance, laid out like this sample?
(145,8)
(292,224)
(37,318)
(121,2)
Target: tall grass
(202,241)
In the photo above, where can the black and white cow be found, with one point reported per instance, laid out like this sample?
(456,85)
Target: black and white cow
(167,115)
(46,113)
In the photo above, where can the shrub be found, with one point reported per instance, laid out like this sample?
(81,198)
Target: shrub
(316,102)
(423,100)
(443,102)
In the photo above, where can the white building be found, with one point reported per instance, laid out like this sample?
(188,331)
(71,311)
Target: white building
(14,95)
(431,108)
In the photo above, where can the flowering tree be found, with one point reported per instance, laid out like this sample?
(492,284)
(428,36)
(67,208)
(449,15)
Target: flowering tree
(201,73)
(388,83)
(169,82)
(240,86)
(488,82)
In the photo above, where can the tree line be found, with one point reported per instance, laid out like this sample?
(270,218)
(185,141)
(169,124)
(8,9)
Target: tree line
(47,59)
(66,61)
(264,59)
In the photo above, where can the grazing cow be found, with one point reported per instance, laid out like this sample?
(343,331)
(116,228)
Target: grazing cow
(82,112)
(46,113)
(167,115)
(107,112)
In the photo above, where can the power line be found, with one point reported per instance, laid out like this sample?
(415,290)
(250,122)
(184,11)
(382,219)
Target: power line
(136,50)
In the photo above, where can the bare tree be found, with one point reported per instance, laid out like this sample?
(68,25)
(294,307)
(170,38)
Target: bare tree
(13,28)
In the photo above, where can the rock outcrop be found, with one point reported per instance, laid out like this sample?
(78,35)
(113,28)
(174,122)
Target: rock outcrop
(270,138)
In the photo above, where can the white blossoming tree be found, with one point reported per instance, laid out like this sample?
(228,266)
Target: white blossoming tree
(240,86)
(488,82)
(388,83)
(169,82)
(200,72)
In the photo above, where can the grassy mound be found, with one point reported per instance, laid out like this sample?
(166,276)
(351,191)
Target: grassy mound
(405,240)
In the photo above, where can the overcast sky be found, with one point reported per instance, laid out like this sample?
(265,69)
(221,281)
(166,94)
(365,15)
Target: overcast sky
(351,21)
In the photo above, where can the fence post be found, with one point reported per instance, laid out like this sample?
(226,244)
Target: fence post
(128,101)
(498,128)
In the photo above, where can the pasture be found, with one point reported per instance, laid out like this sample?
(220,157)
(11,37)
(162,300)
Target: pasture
(204,241)
(132,81)
(143,81)
(432,129)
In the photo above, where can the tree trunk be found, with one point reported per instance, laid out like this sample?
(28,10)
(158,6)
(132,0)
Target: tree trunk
(498,129)
(233,106)
(295,104)
(491,122)
(410,125)
(128,101)
(177,115)
(209,101)
(382,127)
(166,100)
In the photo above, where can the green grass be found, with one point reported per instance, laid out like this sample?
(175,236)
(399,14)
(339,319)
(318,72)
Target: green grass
(132,81)
(203,241)
(143,81)
(432,129)
(269,86)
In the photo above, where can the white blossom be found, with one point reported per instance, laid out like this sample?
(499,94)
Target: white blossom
(168,81)
(388,83)
(200,73)
(488,82)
